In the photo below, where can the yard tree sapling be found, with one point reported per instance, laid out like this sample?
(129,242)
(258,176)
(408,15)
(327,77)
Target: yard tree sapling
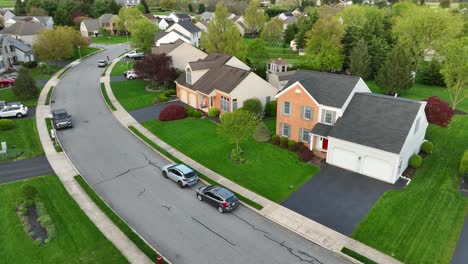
(157,68)
(143,34)
(359,60)
(438,112)
(25,85)
(257,53)
(58,43)
(254,18)
(273,31)
(455,70)
(237,126)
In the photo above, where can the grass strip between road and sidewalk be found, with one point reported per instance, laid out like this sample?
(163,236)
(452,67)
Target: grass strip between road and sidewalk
(106,97)
(134,237)
(357,256)
(64,71)
(57,146)
(202,176)
(49,95)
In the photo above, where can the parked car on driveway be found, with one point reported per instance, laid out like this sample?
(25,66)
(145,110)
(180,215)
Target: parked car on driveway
(219,197)
(135,55)
(13,109)
(61,119)
(180,173)
(102,63)
(6,82)
(130,75)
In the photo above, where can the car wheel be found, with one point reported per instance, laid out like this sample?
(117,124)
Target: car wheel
(199,197)
(220,209)
(165,174)
(19,115)
(131,78)
(181,185)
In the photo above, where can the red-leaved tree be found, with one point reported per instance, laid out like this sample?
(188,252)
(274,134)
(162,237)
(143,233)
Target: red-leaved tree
(438,112)
(157,68)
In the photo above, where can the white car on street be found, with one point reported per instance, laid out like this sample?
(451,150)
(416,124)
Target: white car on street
(13,110)
(180,173)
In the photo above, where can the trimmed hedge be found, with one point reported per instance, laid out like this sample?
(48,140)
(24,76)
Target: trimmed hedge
(284,142)
(275,140)
(292,145)
(415,161)
(306,155)
(254,106)
(213,112)
(427,147)
(172,112)
(7,124)
(464,165)
(261,133)
(270,108)
(300,147)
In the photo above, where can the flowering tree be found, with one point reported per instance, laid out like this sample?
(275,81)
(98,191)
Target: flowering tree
(438,112)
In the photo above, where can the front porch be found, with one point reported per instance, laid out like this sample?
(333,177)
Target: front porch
(319,140)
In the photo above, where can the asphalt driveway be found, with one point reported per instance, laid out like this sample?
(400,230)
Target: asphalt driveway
(338,198)
(24,169)
(152,112)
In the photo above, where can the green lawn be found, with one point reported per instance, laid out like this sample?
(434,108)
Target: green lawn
(77,239)
(275,52)
(122,66)
(24,138)
(421,92)
(84,52)
(7,3)
(7,94)
(421,223)
(111,39)
(45,72)
(270,171)
(270,122)
(132,94)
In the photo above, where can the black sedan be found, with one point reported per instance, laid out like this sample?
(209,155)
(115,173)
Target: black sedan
(219,197)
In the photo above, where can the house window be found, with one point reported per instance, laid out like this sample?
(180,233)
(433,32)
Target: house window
(224,104)
(268,66)
(307,113)
(212,100)
(15,59)
(267,99)
(285,130)
(416,126)
(283,68)
(6,49)
(304,135)
(234,104)
(286,108)
(12,48)
(188,76)
(328,117)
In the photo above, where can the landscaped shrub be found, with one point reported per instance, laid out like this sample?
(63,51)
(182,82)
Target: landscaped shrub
(254,106)
(284,142)
(172,112)
(213,112)
(429,73)
(415,161)
(306,155)
(190,111)
(464,165)
(30,64)
(170,92)
(300,147)
(292,145)
(29,192)
(261,133)
(197,114)
(275,140)
(6,124)
(427,147)
(163,98)
(270,108)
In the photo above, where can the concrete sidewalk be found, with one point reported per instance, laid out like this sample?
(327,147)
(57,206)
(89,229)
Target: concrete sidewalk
(297,223)
(65,170)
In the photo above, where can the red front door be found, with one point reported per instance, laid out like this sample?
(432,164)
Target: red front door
(325,143)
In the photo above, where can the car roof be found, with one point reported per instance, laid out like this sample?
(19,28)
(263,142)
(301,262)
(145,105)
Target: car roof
(101,60)
(183,168)
(223,192)
(59,111)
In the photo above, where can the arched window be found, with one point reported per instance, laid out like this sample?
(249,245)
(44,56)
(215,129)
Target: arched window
(188,76)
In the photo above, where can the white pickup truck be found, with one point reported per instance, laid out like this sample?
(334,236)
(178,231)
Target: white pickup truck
(135,55)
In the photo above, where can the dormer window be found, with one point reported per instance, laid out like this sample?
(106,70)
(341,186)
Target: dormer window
(188,76)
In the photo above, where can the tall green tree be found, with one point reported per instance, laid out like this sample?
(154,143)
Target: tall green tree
(455,70)
(396,74)
(63,13)
(25,85)
(222,35)
(257,53)
(427,29)
(58,43)
(254,17)
(360,60)
(290,33)
(128,17)
(324,50)
(273,30)
(201,8)
(305,24)
(145,6)
(20,8)
(143,34)
(101,7)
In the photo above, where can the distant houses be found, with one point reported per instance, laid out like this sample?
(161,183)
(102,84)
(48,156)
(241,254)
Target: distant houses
(25,31)
(90,27)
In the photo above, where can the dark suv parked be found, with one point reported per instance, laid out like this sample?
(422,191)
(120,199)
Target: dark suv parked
(219,197)
(61,119)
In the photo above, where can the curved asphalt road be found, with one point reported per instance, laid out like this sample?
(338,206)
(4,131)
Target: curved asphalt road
(185,230)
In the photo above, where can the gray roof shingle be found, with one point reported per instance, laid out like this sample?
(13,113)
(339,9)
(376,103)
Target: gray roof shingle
(23,28)
(182,16)
(377,121)
(321,129)
(91,24)
(189,26)
(20,45)
(326,88)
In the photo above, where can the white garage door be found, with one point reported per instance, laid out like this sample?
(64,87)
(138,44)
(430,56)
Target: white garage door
(345,159)
(192,101)
(183,95)
(377,168)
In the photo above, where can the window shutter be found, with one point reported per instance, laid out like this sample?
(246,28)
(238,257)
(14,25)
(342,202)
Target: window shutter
(290,108)
(333,117)
(302,111)
(322,119)
(300,134)
(311,113)
(282,107)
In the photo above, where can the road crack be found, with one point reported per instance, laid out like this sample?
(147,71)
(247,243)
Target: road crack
(144,189)
(251,225)
(229,242)
(311,259)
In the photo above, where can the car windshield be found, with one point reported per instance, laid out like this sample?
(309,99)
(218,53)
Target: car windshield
(102,61)
(190,174)
(61,115)
(231,199)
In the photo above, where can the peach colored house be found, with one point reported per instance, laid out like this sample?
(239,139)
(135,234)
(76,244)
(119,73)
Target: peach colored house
(341,121)
(221,81)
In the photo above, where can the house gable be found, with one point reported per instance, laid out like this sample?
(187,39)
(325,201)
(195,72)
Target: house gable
(253,87)
(236,63)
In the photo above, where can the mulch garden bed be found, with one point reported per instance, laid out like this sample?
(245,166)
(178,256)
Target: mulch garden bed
(32,225)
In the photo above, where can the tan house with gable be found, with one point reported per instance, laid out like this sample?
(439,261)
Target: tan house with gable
(181,53)
(221,81)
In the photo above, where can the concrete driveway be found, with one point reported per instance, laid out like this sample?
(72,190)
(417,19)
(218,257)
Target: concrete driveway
(125,172)
(152,112)
(338,198)
(24,169)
